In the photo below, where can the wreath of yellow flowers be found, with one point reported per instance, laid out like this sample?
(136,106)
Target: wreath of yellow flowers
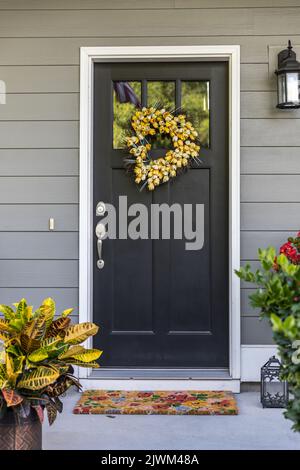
(152,121)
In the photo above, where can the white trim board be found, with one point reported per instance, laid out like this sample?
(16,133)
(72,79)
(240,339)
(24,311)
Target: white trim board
(253,357)
(145,385)
(90,55)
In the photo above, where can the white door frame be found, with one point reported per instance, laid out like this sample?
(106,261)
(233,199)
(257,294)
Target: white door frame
(90,55)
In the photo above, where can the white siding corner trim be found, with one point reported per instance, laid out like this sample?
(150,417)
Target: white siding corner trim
(88,56)
(253,357)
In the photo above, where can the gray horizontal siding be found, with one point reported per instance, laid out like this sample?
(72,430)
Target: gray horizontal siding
(256,331)
(270,132)
(65,51)
(39,134)
(234,3)
(251,241)
(270,216)
(64,298)
(35,217)
(39,162)
(141,4)
(65,106)
(38,273)
(45,189)
(263,105)
(53,245)
(255,77)
(40,107)
(40,79)
(270,160)
(39,62)
(65,78)
(246,309)
(84,4)
(202,22)
(270,188)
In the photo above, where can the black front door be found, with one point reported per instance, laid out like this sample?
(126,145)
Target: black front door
(158,304)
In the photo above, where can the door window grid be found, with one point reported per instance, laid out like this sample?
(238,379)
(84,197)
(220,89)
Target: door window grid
(191,95)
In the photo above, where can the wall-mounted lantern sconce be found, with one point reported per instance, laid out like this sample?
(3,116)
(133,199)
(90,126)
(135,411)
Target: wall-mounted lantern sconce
(288,79)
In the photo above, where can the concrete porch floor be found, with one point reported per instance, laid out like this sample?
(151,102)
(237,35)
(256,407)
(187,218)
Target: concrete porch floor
(254,428)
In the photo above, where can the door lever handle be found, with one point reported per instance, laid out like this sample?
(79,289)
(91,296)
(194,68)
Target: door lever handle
(100,233)
(100,262)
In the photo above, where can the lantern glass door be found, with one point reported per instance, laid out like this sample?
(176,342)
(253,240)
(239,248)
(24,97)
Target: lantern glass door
(289,90)
(273,388)
(292,87)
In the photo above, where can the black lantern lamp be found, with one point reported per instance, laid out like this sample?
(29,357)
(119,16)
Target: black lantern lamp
(274,393)
(288,79)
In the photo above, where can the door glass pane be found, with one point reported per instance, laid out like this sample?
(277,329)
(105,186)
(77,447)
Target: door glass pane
(195,102)
(161,94)
(126,98)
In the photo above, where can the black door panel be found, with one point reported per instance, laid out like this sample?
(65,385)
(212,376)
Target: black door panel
(159,305)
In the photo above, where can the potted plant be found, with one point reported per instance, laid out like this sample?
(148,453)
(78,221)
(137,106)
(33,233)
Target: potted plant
(278,298)
(36,367)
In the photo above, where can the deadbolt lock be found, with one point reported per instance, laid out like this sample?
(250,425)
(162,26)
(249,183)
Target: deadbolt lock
(100,208)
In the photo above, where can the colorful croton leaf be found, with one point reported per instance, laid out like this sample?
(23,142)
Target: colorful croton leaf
(37,354)
(76,334)
(11,397)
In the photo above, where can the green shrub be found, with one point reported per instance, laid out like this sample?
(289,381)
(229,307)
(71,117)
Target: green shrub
(278,299)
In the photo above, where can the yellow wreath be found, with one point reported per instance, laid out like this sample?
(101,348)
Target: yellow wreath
(152,121)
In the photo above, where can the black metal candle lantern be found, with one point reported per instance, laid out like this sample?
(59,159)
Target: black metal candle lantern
(274,392)
(288,79)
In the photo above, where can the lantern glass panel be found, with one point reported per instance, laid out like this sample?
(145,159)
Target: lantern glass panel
(289,90)
(281,89)
(292,82)
(274,387)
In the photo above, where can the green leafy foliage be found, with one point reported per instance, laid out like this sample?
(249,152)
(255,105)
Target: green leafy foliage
(37,357)
(278,299)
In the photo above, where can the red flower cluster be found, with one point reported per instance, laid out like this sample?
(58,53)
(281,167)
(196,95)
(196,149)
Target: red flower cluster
(291,249)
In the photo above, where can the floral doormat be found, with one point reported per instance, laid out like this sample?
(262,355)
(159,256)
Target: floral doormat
(156,402)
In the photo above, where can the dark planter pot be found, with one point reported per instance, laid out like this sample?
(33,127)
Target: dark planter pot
(20,433)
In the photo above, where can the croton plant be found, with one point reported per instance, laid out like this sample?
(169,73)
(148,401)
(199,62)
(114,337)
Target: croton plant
(278,299)
(38,353)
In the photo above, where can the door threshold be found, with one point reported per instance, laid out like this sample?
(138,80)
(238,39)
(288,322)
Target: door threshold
(160,374)
(160,379)
(99,383)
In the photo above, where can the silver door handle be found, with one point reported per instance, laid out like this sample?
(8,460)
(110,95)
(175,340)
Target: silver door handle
(100,262)
(100,233)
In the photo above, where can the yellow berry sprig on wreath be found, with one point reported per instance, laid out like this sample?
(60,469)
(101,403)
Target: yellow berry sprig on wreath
(153,121)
